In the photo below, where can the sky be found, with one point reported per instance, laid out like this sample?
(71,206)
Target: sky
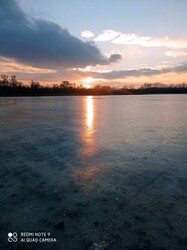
(107,42)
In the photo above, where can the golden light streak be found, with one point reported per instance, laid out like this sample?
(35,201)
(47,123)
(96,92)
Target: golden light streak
(90,112)
(85,175)
(88,134)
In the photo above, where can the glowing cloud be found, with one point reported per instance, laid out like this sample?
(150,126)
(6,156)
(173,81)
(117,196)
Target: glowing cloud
(87,34)
(145,41)
(107,35)
(174,53)
(11,66)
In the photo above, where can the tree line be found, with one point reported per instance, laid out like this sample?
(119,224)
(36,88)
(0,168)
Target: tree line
(10,86)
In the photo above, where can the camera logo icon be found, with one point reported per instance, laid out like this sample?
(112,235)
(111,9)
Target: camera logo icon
(12,237)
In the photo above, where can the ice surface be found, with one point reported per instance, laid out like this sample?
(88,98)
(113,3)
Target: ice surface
(111,170)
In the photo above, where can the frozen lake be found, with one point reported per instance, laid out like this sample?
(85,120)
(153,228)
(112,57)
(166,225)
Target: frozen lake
(103,172)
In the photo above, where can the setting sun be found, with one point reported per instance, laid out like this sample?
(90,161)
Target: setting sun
(88,82)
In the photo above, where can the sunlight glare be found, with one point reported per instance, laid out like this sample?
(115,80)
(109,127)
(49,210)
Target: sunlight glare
(88,80)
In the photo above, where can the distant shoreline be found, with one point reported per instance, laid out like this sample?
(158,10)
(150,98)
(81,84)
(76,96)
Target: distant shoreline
(10,86)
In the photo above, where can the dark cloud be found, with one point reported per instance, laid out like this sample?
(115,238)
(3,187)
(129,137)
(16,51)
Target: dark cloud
(180,68)
(43,43)
(115,58)
(137,72)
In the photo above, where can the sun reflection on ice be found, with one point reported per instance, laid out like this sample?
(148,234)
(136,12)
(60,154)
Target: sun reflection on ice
(86,175)
(90,112)
(88,134)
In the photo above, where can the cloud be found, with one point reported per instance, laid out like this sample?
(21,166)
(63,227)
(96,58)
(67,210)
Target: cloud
(180,68)
(172,73)
(41,43)
(10,66)
(87,34)
(174,53)
(145,41)
(114,58)
(107,35)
